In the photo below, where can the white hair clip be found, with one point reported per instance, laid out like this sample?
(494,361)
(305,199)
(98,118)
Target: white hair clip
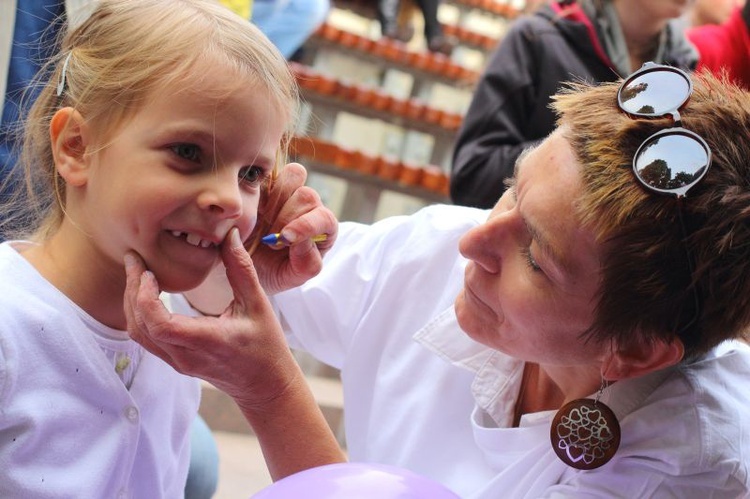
(61,83)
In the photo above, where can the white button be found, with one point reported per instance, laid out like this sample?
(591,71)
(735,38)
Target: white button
(132,414)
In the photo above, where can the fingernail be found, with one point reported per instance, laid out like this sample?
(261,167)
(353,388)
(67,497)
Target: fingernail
(234,238)
(147,276)
(289,236)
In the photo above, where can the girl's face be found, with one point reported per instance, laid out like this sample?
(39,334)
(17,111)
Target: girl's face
(531,282)
(184,170)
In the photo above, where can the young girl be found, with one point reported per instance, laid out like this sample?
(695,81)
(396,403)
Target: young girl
(158,131)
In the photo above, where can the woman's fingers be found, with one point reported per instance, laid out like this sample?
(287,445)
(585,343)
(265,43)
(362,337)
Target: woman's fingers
(249,295)
(136,294)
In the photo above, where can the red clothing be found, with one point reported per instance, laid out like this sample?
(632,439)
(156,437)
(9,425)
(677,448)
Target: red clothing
(725,46)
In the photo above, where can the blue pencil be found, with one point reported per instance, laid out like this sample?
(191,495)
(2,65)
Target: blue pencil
(278,240)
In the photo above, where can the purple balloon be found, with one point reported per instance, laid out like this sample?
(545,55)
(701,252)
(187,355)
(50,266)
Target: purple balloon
(360,480)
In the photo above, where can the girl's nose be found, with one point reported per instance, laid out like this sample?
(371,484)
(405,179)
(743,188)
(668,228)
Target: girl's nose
(221,195)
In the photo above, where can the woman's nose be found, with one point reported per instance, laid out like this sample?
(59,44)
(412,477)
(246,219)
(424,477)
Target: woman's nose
(221,195)
(485,243)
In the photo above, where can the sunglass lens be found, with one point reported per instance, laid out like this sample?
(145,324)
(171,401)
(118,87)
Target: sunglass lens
(654,93)
(672,162)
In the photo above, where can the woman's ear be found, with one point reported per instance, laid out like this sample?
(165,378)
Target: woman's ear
(642,358)
(69,138)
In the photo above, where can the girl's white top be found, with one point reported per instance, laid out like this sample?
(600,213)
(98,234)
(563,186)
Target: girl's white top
(69,425)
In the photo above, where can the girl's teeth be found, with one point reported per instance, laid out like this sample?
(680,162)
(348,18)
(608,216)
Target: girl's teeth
(194,240)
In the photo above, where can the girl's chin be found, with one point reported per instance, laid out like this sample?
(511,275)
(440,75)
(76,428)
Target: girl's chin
(180,283)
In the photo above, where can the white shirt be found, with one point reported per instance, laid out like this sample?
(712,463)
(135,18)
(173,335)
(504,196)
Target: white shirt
(69,427)
(442,405)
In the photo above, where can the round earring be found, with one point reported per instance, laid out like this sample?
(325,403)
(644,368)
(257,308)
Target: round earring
(585,433)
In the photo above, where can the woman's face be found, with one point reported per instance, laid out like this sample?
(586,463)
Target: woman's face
(530,286)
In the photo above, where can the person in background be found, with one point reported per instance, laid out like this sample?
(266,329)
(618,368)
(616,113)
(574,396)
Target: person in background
(28,36)
(568,40)
(158,127)
(592,40)
(389,12)
(289,23)
(242,8)
(711,11)
(584,338)
(725,48)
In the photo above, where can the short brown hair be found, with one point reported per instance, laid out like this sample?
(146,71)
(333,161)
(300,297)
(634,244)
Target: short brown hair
(646,291)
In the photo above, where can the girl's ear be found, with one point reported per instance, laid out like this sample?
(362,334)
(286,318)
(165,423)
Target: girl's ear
(69,138)
(642,358)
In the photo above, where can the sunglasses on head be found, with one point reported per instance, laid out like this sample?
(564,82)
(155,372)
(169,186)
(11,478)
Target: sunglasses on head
(674,160)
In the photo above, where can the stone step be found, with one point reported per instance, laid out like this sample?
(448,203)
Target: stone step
(242,469)
(222,414)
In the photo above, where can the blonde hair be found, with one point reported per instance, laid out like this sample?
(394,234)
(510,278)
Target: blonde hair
(647,287)
(113,61)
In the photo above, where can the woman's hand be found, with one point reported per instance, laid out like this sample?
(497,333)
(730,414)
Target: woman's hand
(242,352)
(297,212)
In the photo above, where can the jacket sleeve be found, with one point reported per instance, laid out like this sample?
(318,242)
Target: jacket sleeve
(495,129)
(387,278)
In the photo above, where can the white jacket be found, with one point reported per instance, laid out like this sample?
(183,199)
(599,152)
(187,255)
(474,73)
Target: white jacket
(420,394)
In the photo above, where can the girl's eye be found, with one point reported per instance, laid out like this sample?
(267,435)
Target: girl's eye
(526,251)
(253,175)
(190,152)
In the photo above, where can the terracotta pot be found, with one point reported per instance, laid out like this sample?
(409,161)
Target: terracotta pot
(415,109)
(329,32)
(433,178)
(348,39)
(363,163)
(381,100)
(343,158)
(325,152)
(364,96)
(397,107)
(328,85)
(433,115)
(410,174)
(387,168)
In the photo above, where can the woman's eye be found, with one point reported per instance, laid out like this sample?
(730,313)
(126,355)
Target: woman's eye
(530,259)
(511,196)
(253,175)
(189,152)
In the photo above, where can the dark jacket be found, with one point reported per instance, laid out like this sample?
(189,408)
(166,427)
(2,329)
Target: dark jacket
(510,107)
